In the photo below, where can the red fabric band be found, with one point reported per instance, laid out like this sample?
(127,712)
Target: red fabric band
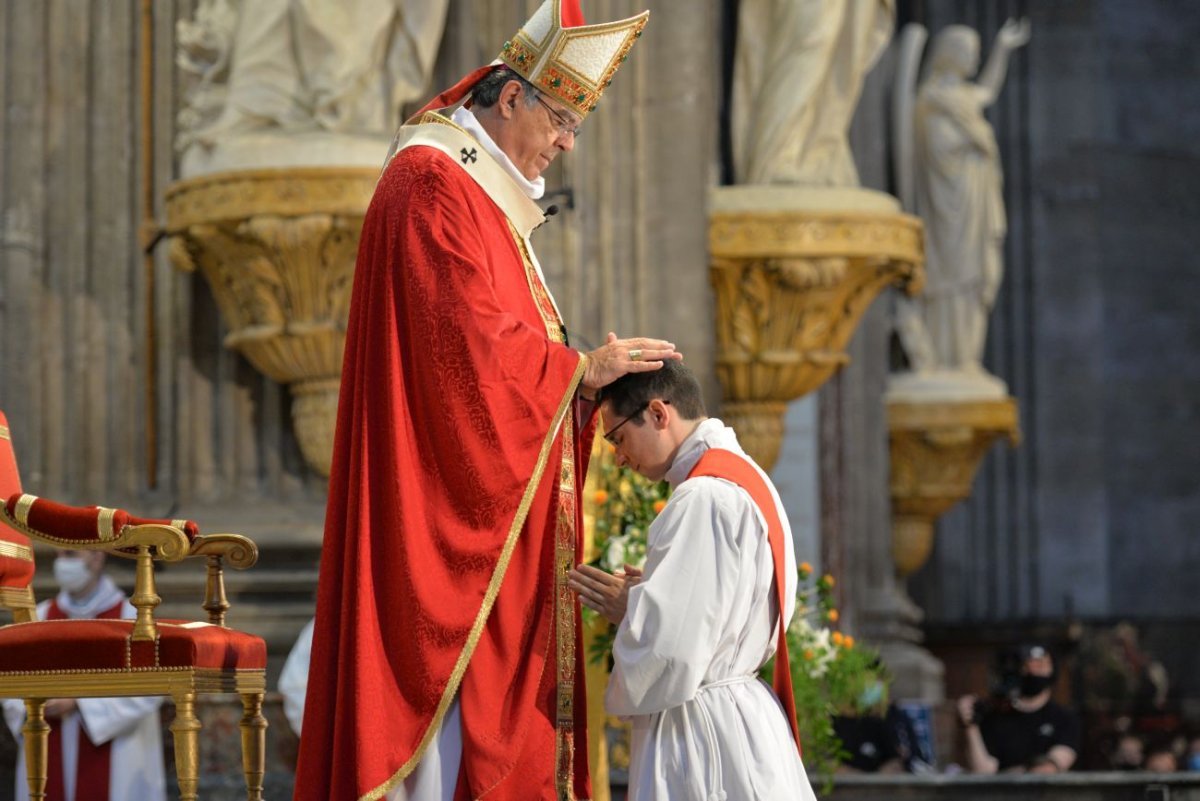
(720,463)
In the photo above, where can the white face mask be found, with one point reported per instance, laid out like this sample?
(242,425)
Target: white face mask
(71,573)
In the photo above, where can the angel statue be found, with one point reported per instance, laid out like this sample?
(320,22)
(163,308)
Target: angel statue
(948,173)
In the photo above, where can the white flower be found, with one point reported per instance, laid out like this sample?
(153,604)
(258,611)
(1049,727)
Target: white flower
(614,553)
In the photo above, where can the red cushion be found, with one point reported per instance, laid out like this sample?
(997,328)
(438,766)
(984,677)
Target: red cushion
(78,523)
(190,527)
(105,645)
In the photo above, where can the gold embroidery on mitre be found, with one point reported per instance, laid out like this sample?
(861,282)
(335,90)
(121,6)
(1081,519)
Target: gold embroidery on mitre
(4,433)
(573,65)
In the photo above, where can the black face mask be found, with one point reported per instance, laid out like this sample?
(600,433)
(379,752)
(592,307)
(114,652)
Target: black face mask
(1032,685)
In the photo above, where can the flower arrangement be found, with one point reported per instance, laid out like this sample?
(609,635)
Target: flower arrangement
(626,504)
(832,674)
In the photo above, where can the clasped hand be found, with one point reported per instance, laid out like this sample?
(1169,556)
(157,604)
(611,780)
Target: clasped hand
(606,593)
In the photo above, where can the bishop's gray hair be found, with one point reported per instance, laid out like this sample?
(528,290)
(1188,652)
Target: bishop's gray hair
(486,91)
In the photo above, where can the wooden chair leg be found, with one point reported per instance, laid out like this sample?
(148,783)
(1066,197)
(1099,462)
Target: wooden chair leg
(37,741)
(254,744)
(185,731)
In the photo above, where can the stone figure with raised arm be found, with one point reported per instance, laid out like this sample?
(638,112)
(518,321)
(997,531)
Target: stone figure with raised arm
(948,170)
(798,73)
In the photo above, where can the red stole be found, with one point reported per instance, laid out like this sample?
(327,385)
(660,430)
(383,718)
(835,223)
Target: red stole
(95,761)
(720,463)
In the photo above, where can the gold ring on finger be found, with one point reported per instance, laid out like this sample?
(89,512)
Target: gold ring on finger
(635,355)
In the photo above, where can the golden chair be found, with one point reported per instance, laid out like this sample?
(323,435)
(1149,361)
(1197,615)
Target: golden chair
(40,660)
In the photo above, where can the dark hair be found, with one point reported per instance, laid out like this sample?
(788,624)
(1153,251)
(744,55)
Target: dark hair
(673,382)
(486,90)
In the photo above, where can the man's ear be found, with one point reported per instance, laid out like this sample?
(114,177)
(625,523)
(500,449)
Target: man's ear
(510,95)
(660,413)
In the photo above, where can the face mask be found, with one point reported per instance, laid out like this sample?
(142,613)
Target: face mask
(71,573)
(1032,685)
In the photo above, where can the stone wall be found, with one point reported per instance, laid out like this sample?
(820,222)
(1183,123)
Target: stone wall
(1095,331)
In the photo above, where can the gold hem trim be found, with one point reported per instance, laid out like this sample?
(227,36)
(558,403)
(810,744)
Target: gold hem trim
(489,598)
(14,551)
(4,433)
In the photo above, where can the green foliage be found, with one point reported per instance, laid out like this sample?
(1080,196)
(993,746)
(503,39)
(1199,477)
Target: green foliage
(831,675)
(626,505)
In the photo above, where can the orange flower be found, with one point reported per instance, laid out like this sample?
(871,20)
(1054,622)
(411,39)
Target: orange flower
(837,637)
(828,579)
(805,570)
(849,641)
(832,615)
(659,505)
(809,655)
(601,497)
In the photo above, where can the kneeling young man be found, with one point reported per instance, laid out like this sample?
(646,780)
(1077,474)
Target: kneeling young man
(697,625)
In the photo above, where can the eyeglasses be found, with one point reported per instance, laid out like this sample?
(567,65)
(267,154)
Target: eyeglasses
(560,123)
(608,436)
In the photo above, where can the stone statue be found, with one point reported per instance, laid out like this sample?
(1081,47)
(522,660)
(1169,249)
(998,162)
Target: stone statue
(798,74)
(307,68)
(948,171)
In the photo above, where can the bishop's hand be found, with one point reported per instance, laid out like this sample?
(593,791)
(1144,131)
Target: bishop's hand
(616,357)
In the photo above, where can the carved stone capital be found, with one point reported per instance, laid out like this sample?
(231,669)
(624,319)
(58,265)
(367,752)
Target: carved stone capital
(936,448)
(278,247)
(791,287)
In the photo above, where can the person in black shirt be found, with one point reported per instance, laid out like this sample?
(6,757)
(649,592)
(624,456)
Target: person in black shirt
(1025,731)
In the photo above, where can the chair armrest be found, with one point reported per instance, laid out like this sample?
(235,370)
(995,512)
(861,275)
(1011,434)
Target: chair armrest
(95,528)
(238,550)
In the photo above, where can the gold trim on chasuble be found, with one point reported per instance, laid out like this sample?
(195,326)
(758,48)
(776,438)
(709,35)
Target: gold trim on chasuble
(15,551)
(565,554)
(564,610)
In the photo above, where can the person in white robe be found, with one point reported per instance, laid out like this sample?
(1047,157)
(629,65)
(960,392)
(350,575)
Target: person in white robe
(701,620)
(131,724)
(293,679)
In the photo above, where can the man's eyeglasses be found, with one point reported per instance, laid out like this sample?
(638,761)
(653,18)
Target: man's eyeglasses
(608,437)
(560,123)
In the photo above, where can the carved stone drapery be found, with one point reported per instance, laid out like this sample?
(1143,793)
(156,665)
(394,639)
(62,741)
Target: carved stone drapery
(277,247)
(791,286)
(936,448)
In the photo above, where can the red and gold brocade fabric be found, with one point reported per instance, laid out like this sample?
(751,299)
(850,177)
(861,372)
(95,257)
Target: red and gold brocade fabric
(16,556)
(445,500)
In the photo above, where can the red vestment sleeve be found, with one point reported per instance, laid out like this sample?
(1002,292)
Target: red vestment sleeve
(452,397)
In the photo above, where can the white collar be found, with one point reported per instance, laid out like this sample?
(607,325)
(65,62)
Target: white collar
(711,433)
(466,119)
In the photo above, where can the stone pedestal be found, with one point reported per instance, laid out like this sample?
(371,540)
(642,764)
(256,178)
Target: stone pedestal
(278,247)
(793,270)
(936,448)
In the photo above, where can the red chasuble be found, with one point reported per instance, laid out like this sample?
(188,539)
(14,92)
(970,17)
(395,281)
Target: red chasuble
(453,511)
